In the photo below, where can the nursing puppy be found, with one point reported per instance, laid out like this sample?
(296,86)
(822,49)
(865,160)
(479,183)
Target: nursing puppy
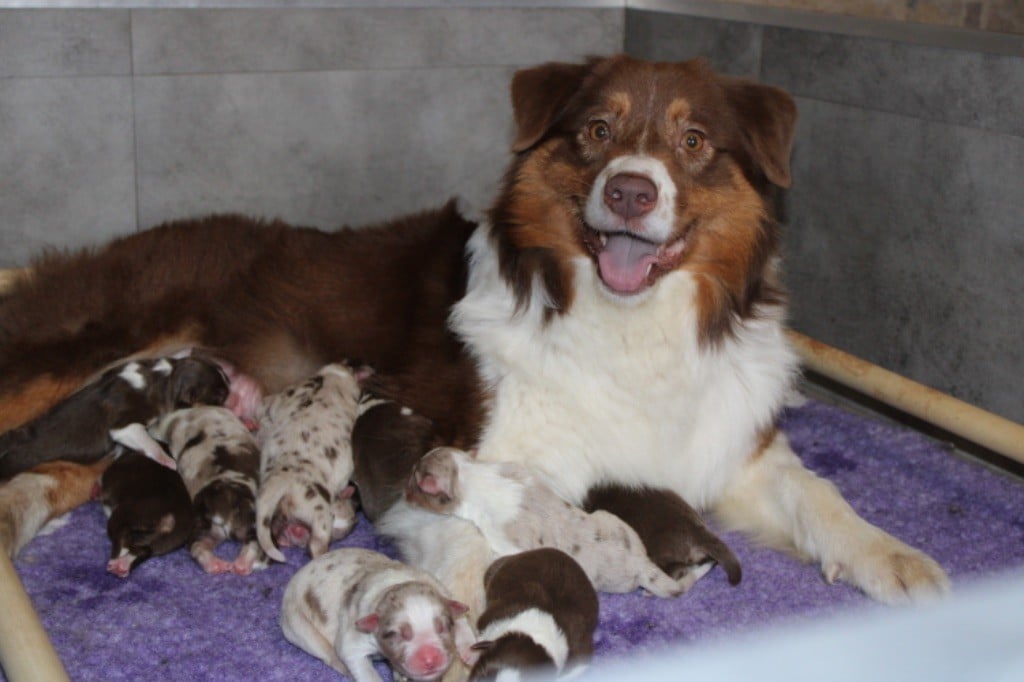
(515,512)
(219,461)
(351,604)
(83,427)
(305,438)
(540,618)
(149,511)
(387,441)
(674,534)
(591,328)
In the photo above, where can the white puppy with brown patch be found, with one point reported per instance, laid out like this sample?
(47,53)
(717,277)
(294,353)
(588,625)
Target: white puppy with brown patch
(219,460)
(351,604)
(516,512)
(305,437)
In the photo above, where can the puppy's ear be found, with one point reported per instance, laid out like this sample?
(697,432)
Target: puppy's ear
(368,623)
(456,608)
(767,117)
(430,484)
(539,97)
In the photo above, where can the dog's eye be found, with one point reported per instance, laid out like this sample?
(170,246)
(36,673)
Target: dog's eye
(599,130)
(693,140)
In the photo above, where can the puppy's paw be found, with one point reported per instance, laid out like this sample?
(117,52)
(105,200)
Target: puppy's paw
(892,573)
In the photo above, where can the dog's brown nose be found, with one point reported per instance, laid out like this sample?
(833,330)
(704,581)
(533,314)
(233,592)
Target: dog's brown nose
(630,196)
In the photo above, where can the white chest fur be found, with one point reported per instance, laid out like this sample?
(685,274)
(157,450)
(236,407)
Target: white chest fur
(620,390)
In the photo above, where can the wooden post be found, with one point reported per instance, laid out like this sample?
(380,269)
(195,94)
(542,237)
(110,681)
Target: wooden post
(26,654)
(989,430)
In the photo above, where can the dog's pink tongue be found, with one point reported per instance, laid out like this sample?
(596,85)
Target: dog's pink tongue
(624,263)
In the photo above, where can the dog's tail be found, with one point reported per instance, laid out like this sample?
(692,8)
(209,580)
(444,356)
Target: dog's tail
(273,495)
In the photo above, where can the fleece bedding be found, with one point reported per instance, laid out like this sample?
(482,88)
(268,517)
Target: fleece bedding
(170,621)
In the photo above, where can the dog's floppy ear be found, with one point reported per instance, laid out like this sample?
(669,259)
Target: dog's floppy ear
(767,117)
(539,96)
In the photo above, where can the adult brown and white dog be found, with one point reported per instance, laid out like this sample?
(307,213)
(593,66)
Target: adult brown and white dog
(617,318)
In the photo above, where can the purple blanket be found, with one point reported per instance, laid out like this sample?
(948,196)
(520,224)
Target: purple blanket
(170,621)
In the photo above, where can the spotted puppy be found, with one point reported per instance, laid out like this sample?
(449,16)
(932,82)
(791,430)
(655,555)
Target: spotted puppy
(540,618)
(84,427)
(351,604)
(150,512)
(516,511)
(219,461)
(305,438)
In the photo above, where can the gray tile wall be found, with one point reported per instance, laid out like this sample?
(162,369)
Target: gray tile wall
(905,225)
(113,119)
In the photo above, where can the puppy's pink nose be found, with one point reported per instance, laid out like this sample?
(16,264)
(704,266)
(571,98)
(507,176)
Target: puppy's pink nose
(630,196)
(428,658)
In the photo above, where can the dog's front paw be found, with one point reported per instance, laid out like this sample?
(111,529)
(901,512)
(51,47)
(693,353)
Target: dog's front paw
(891,572)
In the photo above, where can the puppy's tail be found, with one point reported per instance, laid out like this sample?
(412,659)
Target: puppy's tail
(271,495)
(724,557)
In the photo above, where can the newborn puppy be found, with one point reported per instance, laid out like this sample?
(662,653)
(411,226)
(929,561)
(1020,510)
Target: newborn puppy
(540,619)
(305,437)
(33,498)
(351,604)
(676,537)
(150,512)
(515,511)
(387,441)
(83,427)
(219,461)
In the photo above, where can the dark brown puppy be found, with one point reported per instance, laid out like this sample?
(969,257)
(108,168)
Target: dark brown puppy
(674,534)
(77,429)
(540,618)
(150,511)
(387,441)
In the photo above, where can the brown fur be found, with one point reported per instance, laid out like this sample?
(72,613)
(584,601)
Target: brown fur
(386,444)
(151,512)
(675,536)
(548,580)
(723,194)
(272,300)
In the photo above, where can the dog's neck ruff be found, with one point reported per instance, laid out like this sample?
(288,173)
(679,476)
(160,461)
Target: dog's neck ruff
(619,389)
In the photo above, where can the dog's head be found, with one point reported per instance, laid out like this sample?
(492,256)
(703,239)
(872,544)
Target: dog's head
(644,169)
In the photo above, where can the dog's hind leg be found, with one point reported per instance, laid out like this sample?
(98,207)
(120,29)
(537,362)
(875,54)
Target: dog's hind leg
(784,505)
(31,499)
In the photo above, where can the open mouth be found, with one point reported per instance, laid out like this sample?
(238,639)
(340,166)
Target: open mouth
(627,263)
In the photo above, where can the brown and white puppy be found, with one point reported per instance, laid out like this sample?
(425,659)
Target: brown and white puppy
(387,441)
(33,498)
(589,328)
(149,511)
(515,511)
(305,438)
(540,618)
(219,461)
(350,604)
(83,427)
(674,534)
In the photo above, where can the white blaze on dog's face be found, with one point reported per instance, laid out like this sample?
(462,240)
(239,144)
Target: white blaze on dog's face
(644,169)
(415,630)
